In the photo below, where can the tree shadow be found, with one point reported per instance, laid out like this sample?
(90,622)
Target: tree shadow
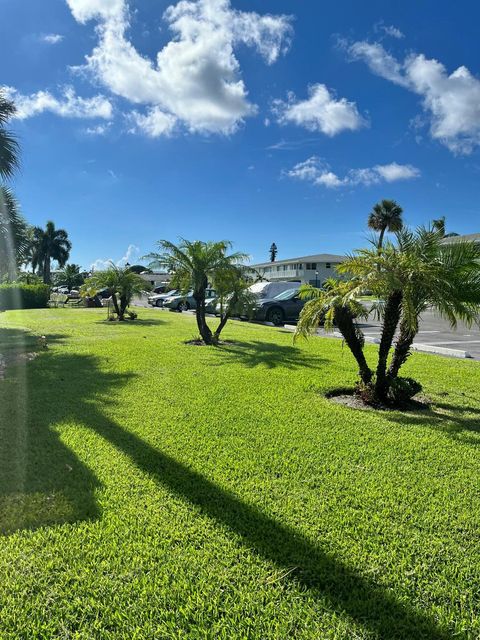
(461,422)
(268,354)
(43,482)
(142,322)
(67,488)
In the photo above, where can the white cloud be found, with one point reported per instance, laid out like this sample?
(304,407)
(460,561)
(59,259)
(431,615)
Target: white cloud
(392,31)
(154,124)
(451,101)
(98,130)
(195,79)
(132,255)
(68,105)
(318,173)
(52,38)
(320,112)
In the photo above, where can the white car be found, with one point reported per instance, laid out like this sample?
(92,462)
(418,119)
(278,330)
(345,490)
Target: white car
(157,299)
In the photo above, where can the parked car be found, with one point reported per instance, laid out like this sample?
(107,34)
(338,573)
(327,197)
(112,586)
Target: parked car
(285,306)
(183,302)
(157,299)
(268,290)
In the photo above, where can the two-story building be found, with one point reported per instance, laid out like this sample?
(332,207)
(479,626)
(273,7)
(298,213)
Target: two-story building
(305,269)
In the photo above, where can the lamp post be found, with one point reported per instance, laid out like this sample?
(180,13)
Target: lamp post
(316,279)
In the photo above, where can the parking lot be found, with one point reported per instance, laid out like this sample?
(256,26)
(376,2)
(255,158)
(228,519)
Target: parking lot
(434,332)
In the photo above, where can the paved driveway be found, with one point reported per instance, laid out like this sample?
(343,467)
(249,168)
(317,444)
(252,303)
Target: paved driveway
(436,332)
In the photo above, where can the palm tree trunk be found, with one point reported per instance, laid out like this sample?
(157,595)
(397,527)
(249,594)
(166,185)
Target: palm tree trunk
(402,350)
(123,307)
(115,305)
(202,325)
(46,269)
(380,239)
(390,322)
(346,324)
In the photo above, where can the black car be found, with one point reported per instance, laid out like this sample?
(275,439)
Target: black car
(285,306)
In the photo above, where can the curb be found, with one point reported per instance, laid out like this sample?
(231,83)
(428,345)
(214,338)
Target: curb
(443,351)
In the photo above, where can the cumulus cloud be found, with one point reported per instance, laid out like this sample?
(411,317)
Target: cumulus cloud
(69,105)
(52,38)
(317,172)
(195,79)
(451,101)
(132,255)
(321,111)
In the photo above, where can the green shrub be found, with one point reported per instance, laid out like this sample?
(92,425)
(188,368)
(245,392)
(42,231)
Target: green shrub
(16,295)
(403,389)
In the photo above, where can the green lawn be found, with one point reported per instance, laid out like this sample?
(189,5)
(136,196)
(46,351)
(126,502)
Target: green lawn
(151,489)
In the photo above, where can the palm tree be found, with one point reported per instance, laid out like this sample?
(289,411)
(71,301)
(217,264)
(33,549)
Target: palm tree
(13,234)
(50,244)
(71,276)
(121,283)
(194,265)
(385,216)
(439,225)
(416,273)
(445,277)
(273,252)
(336,304)
(9,149)
(234,296)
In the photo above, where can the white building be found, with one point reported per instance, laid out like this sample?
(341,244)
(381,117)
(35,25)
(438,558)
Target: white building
(306,269)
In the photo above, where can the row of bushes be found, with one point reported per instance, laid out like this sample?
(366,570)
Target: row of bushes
(23,296)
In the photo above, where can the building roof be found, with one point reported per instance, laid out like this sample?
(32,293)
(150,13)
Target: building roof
(317,257)
(471,237)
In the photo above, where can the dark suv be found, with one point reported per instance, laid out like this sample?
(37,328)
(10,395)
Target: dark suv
(285,306)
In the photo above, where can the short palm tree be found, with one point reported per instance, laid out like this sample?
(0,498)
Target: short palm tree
(385,216)
(416,273)
(122,284)
(336,304)
(50,244)
(71,276)
(13,234)
(194,265)
(9,149)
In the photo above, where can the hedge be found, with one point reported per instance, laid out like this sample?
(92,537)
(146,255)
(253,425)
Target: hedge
(23,296)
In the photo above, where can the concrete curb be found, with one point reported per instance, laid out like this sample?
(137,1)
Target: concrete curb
(442,351)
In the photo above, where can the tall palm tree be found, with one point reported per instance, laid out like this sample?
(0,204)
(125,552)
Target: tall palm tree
(121,283)
(13,234)
(194,265)
(385,216)
(50,244)
(9,149)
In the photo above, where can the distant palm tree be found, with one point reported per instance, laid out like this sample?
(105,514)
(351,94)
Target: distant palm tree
(122,284)
(439,225)
(70,276)
(50,244)
(9,149)
(273,252)
(13,234)
(194,265)
(385,216)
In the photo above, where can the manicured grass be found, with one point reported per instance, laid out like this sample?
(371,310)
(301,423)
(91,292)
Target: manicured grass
(152,489)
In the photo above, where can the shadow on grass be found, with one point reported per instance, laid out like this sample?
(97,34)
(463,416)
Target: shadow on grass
(73,387)
(139,322)
(42,482)
(269,354)
(459,421)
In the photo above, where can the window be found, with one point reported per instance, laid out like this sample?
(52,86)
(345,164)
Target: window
(328,265)
(311,266)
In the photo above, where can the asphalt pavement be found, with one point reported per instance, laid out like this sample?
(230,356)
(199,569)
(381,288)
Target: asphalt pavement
(434,332)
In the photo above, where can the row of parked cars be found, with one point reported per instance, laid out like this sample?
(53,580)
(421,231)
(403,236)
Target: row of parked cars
(277,302)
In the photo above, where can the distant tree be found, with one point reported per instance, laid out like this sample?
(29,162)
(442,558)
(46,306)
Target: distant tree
(49,244)
(273,252)
(9,149)
(71,276)
(193,265)
(139,268)
(439,225)
(385,216)
(13,235)
(122,284)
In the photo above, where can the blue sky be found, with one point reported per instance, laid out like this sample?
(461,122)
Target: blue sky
(247,120)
